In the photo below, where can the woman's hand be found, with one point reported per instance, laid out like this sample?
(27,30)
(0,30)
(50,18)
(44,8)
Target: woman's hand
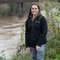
(37,47)
(28,48)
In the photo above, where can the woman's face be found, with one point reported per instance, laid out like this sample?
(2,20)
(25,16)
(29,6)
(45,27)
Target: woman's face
(34,10)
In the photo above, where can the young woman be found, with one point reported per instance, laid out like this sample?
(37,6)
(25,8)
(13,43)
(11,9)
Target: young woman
(36,31)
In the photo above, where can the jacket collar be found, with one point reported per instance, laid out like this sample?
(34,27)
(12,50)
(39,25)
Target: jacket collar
(31,16)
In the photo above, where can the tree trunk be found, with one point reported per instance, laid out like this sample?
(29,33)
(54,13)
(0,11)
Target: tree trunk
(59,29)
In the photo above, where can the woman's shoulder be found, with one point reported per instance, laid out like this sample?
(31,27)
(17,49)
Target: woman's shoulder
(43,18)
(28,20)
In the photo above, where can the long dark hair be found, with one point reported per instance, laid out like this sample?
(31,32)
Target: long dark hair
(39,15)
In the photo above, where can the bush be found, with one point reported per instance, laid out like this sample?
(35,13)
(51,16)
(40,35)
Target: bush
(25,56)
(53,49)
(3,55)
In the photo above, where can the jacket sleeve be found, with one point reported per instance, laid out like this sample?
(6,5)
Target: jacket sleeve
(43,34)
(26,35)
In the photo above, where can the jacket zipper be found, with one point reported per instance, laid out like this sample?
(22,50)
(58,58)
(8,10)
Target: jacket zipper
(32,28)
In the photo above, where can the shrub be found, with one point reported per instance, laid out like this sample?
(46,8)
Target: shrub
(53,48)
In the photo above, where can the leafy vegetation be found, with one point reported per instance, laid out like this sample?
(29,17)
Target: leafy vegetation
(25,56)
(2,57)
(53,49)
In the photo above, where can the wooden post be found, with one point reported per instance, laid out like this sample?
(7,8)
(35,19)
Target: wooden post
(20,9)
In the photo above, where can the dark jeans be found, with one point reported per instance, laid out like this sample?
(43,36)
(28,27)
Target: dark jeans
(38,55)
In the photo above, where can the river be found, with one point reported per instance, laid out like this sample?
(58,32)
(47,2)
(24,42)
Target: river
(10,35)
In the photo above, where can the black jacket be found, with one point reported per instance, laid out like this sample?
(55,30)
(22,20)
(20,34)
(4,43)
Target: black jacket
(35,33)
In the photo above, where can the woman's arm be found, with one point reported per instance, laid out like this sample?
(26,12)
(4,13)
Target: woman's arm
(26,35)
(43,34)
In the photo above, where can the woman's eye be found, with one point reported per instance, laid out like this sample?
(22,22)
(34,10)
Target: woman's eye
(34,8)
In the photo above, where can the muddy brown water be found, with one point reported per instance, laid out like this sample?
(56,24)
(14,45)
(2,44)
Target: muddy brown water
(10,35)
